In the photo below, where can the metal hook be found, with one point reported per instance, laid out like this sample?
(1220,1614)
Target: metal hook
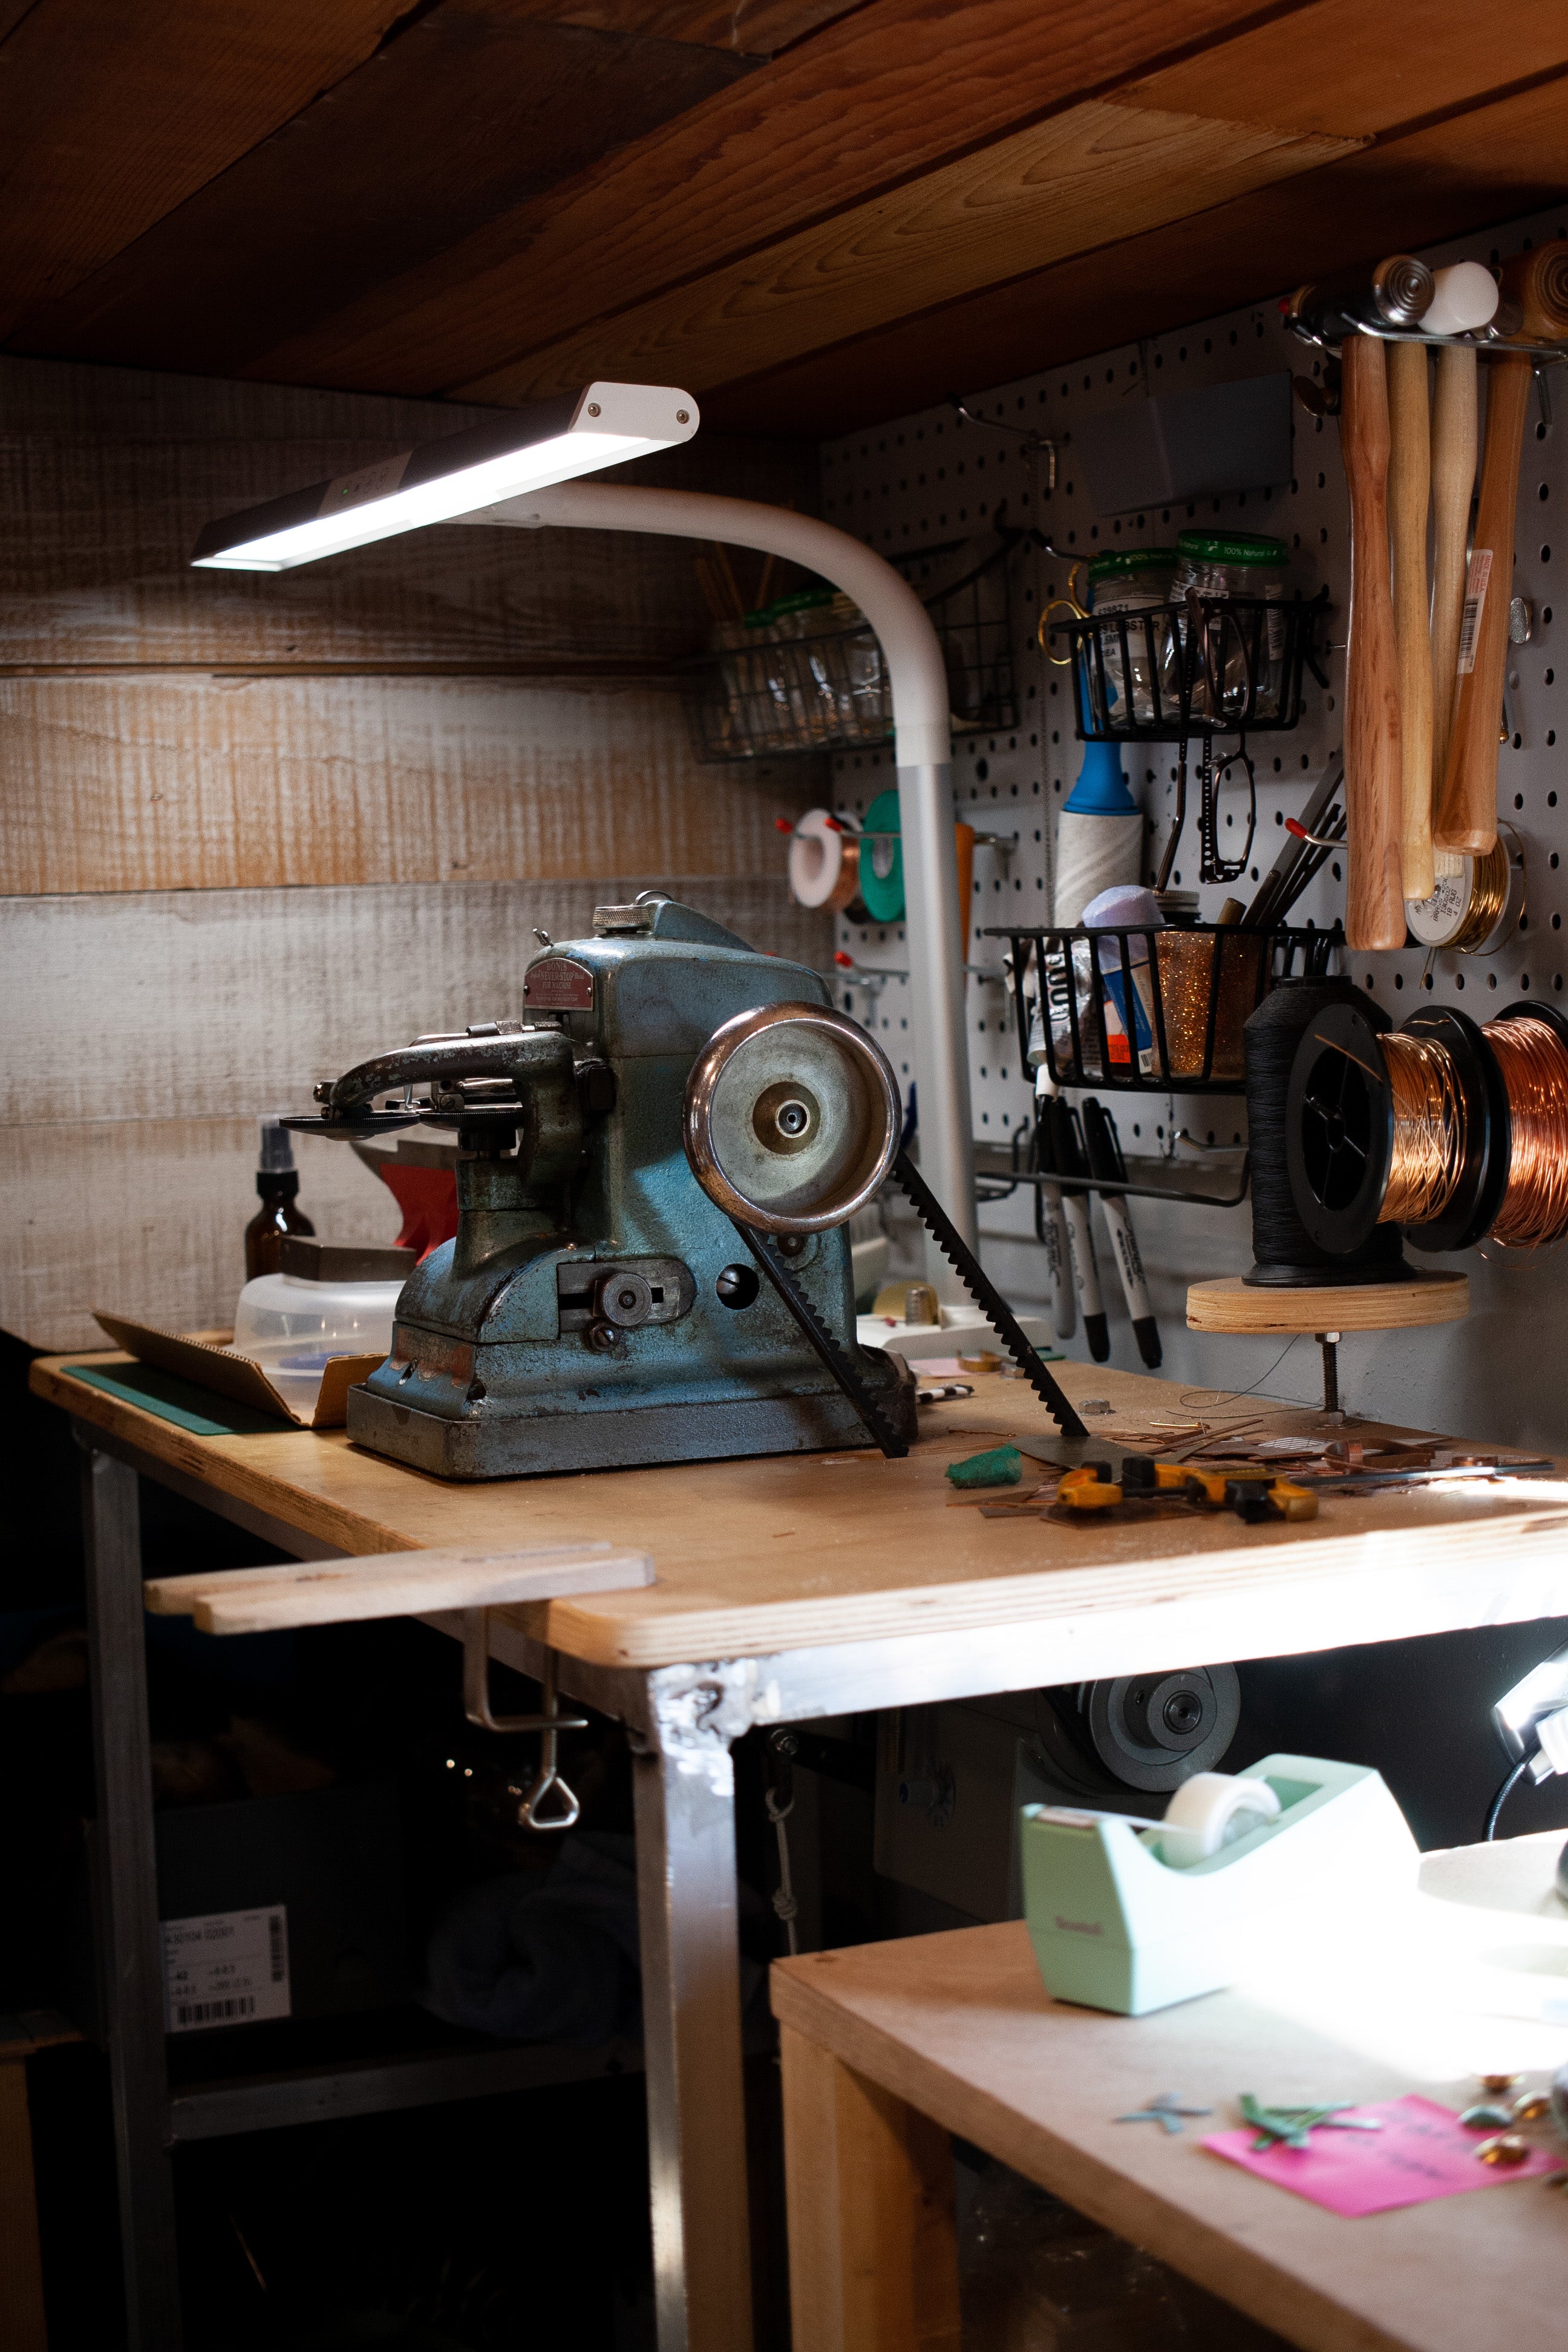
(1035,443)
(550,1724)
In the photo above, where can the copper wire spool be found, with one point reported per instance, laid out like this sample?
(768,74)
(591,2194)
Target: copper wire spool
(1453,1132)
(1533,1060)
(1427,1156)
(1431,1119)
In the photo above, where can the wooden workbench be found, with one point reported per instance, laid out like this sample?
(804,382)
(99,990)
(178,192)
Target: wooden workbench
(787,1588)
(889,2047)
(801,1551)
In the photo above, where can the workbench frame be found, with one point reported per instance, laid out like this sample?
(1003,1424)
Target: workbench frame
(150,2119)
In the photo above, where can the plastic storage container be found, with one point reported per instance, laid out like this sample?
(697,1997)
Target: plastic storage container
(291,1327)
(1221,567)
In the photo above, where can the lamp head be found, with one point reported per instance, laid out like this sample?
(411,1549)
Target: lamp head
(526,449)
(1537,1695)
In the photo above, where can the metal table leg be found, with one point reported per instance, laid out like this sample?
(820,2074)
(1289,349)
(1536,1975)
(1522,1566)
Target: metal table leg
(685,1788)
(132,1965)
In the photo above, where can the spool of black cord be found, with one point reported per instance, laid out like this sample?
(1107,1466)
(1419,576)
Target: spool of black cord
(1287,1257)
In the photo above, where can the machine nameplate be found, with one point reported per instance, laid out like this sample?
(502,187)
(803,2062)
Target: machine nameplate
(555,984)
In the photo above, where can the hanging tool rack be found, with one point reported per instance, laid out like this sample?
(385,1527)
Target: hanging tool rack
(1002,1167)
(1153,1011)
(920,478)
(1484,340)
(803,685)
(1210,666)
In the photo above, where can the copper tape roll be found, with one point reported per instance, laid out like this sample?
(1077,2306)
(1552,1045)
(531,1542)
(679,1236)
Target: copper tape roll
(824,862)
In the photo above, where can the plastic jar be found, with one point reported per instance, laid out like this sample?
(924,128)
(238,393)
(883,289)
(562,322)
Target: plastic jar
(291,1327)
(1219,568)
(1134,580)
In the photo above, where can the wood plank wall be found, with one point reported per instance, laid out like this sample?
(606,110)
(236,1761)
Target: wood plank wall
(252,829)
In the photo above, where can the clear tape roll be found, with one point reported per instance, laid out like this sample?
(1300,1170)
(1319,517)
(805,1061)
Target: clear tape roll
(823,861)
(1210,1812)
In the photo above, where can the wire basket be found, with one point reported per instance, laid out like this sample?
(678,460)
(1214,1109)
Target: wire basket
(813,684)
(1211,665)
(1150,1010)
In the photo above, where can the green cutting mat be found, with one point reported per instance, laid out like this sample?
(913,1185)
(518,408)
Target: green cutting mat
(194,1409)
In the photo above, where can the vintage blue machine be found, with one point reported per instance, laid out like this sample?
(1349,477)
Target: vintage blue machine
(657,1164)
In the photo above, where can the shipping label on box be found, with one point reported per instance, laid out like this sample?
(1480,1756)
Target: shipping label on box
(230,1968)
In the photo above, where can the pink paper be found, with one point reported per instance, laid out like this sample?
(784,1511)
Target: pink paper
(1421,2152)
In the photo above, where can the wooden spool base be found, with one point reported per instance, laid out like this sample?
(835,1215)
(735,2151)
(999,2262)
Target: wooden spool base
(1227,1304)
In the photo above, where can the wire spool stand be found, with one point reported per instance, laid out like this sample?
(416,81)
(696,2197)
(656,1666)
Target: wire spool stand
(1448,1131)
(1227,1304)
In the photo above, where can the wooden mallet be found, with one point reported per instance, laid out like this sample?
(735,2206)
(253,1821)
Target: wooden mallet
(1374,894)
(1466,814)
(1409,474)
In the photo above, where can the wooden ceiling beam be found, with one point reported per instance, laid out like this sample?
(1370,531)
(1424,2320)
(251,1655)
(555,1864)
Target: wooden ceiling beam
(748,28)
(898,89)
(1251,111)
(1341,67)
(480,104)
(1098,173)
(1492,163)
(117,112)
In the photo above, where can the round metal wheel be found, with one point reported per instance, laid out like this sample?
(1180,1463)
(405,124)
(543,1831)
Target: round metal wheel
(793,1117)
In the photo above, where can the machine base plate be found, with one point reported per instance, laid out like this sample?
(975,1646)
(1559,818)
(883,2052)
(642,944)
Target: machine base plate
(626,1438)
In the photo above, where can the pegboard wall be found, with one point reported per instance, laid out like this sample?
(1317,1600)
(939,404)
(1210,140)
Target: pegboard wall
(926,480)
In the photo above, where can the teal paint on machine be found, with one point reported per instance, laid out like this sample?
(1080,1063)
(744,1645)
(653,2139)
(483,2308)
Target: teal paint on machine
(596,1308)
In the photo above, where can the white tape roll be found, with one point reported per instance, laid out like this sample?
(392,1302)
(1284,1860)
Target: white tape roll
(823,861)
(1211,1811)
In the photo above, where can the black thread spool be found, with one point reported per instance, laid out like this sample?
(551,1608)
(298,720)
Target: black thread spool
(1287,1255)
(1339,1123)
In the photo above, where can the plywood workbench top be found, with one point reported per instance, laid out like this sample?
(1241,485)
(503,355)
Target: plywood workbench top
(958,2029)
(797,1550)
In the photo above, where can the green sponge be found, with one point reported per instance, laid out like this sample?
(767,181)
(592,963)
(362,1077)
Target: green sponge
(1003,1466)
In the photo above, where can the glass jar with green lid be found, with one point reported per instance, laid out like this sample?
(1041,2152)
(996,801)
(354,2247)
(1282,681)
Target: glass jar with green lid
(1220,565)
(1142,655)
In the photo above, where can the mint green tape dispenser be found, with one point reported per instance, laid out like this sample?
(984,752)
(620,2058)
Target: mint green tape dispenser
(1131,1915)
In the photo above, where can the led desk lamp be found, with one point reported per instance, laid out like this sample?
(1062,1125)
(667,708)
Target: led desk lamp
(508,472)
(525,450)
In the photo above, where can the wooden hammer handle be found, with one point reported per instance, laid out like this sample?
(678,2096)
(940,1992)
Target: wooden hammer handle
(1409,482)
(1466,813)
(1375,898)
(1453,480)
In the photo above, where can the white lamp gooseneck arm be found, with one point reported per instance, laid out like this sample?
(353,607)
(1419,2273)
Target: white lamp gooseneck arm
(936,924)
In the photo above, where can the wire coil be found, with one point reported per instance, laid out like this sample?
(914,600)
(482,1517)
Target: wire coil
(1430,1127)
(1427,1158)
(1488,900)
(1534,1065)
(1452,1132)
